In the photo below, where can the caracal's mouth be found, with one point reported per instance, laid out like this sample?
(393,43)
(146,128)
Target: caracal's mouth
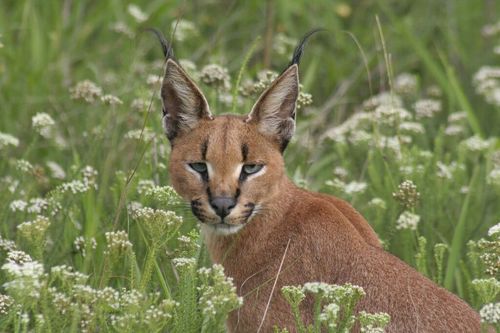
(226,226)
(223,229)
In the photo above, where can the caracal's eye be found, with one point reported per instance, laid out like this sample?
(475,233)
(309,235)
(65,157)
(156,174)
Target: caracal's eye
(199,167)
(252,168)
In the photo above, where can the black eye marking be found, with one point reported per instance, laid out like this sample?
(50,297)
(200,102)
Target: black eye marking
(244,152)
(204,148)
(201,168)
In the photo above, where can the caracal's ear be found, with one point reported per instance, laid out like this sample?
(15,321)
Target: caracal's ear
(274,111)
(183,102)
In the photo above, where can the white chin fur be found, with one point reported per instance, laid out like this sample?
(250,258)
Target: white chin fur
(221,229)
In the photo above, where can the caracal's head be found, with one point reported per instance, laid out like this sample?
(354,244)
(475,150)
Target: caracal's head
(228,167)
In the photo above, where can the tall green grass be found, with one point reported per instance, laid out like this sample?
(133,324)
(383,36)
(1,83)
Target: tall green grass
(50,46)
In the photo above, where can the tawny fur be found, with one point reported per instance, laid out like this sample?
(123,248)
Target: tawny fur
(329,241)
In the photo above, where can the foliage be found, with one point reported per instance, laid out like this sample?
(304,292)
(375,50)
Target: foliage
(402,122)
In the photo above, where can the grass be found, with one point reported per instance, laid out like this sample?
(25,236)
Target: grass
(47,48)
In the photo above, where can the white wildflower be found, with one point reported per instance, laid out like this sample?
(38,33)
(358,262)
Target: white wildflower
(427,108)
(494,230)
(56,170)
(137,13)
(490,313)
(8,140)
(43,124)
(75,187)
(454,130)
(377,203)
(490,30)
(476,144)
(410,127)
(329,315)
(81,244)
(390,116)
(215,75)
(145,185)
(355,187)
(18,205)
(383,98)
(407,220)
(494,177)
(457,117)
(447,171)
(8,245)
(139,104)
(360,138)
(317,288)
(117,241)
(111,100)
(189,67)
(18,257)
(154,80)
(138,134)
(487,83)
(37,205)
(24,166)
(406,84)
(184,262)
(24,279)
(5,304)
(86,90)
(341,172)
(34,229)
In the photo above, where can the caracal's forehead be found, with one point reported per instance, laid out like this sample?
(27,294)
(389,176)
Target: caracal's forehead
(224,141)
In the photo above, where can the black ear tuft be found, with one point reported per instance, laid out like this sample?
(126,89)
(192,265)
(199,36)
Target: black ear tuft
(168,52)
(299,50)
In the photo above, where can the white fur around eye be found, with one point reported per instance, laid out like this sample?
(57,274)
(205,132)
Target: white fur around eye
(188,168)
(237,171)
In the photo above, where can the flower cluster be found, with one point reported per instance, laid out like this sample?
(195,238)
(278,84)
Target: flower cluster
(217,292)
(160,225)
(25,279)
(407,220)
(407,194)
(373,322)
(406,84)
(5,304)
(87,91)
(117,242)
(81,244)
(8,140)
(43,124)
(487,83)
(34,230)
(216,76)
(87,181)
(487,289)
(145,135)
(490,313)
(427,108)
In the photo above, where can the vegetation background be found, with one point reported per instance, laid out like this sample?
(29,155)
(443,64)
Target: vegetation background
(400,116)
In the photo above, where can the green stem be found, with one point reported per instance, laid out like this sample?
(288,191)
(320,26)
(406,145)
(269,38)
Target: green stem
(317,313)
(148,268)
(459,234)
